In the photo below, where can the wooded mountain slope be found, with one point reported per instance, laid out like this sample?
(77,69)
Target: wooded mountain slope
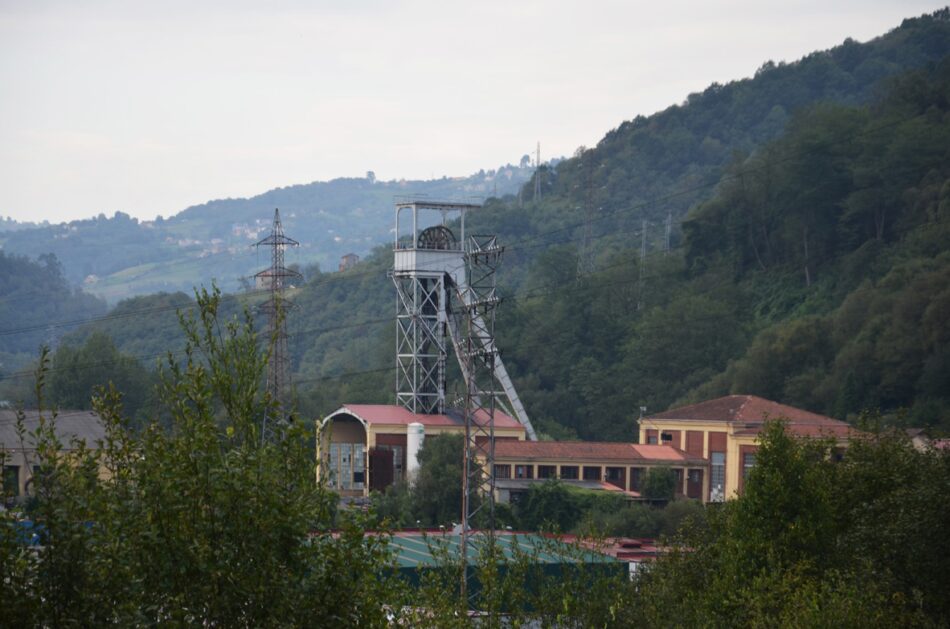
(806,256)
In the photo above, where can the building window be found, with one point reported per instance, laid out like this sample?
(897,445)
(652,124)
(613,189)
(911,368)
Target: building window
(502,471)
(524,471)
(398,457)
(569,472)
(592,473)
(347,466)
(717,476)
(748,462)
(678,475)
(547,471)
(666,437)
(651,440)
(11,480)
(636,473)
(615,476)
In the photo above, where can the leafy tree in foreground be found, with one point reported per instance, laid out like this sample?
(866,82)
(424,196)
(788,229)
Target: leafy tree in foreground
(814,542)
(203,524)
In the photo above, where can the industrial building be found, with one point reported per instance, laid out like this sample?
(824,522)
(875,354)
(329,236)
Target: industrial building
(21,459)
(367,447)
(594,465)
(725,431)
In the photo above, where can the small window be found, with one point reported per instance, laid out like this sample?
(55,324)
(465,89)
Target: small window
(667,437)
(547,471)
(569,472)
(651,440)
(11,480)
(592,473)
(502,471)
(748,462)
(636,473)
(524,471)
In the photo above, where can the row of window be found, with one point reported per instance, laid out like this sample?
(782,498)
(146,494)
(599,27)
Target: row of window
(11,479)
(568,472)
(611,474)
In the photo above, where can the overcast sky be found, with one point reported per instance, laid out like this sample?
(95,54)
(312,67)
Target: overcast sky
(151,107)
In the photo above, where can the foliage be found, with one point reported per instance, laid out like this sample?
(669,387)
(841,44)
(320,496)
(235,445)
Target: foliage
(202,523)
(77,372)
(816,541)
(36,301)
(659,484)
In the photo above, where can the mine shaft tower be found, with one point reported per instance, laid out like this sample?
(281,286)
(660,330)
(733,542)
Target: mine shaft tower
(445,291)
(438,276)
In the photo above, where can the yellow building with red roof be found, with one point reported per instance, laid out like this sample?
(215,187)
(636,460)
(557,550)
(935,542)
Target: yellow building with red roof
(365,447)
(725,432)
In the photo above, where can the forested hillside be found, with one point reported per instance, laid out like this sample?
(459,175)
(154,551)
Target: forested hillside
(33,294)
(838,157)
(119,256)
(784,235)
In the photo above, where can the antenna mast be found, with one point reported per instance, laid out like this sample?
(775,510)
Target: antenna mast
(273,279)
(537,174)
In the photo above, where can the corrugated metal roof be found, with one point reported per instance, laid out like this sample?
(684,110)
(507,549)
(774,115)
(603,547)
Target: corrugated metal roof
(394,414)
(416,549)
(70,425)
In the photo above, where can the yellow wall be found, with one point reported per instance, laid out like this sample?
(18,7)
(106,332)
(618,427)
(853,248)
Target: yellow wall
(580,464)
(352,431)
(733,464)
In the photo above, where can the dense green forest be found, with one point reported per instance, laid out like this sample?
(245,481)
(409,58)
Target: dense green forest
(34,297)
(795,240)
(804,258)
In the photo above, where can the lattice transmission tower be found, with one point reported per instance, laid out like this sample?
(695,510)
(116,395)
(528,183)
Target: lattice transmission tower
(276,308)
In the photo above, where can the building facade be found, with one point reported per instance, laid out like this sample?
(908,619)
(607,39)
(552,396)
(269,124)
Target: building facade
(363,447)
(595,465)
(725,431)
(20,459)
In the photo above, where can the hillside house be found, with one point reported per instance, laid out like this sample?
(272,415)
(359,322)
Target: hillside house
(348,261)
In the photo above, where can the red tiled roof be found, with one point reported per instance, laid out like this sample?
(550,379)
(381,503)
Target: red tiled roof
(394,414)
(741,408)
(589,451)
(753,411)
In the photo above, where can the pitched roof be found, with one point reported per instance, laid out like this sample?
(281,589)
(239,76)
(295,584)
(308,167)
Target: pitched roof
(754,411)
(398,415)
(70,425)
(590,451)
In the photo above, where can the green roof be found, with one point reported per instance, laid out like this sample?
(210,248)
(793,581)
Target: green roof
(420,550)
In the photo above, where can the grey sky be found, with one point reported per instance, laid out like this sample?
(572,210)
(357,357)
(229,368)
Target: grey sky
(150,107)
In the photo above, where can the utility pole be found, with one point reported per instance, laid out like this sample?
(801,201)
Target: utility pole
(276,307)
(669,229)
(537,173)
(643,258)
